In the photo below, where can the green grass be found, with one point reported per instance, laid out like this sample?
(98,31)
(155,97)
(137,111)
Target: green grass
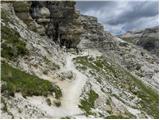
(87,103)
(96,65)
(11,45)
(29,85)
(86,62)
(149,98)
(122,79)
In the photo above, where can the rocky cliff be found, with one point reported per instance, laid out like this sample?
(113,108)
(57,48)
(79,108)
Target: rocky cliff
(57,63)
(63,27)
(147,39)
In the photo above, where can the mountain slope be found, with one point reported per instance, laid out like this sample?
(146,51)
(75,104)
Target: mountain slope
(95,76)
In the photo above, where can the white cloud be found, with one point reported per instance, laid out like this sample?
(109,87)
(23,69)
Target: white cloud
(121,16)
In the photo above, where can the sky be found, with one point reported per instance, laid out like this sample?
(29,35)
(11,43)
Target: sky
(119,17)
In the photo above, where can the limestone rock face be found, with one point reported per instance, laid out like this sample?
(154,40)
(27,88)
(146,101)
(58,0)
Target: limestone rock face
(91,25)
(147,39)
(22,11)
(60,19)
(94,35)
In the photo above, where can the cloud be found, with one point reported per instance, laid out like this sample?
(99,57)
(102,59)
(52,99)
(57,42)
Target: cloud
(90,5)
(135,10)
(121,16)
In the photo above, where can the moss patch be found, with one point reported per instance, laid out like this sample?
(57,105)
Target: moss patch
(87,103)
(19,81)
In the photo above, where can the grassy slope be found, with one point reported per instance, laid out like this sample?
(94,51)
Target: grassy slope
(19,81)
(87,103)
(16,80)
(149,98)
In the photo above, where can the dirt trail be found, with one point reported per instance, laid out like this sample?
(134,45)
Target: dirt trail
(71,94)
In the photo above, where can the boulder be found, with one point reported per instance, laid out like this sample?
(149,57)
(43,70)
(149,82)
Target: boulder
(68,75)
(44,12)
(43,20)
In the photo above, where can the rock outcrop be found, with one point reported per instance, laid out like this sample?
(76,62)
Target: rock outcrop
(62,26)
(94,35)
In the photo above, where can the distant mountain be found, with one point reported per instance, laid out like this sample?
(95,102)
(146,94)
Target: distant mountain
(147,39)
